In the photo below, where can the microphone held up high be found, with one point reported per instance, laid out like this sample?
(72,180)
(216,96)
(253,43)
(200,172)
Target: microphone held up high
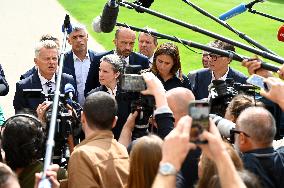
(238,10)
(109,16)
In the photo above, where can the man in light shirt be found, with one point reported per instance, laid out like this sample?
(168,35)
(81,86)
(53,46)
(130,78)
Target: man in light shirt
(77,61)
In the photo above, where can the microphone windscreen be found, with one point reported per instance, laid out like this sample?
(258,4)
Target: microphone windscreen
(280,35)
(69,88)
(233,12)
(143,3)
(108,18)
(97,24)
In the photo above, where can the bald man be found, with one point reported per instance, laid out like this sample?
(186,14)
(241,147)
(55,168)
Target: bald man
(124,41)
(254,134)
(178,101)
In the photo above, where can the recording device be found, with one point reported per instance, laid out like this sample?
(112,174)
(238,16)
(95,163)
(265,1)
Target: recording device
(132,82)
(257,80)
(66,124)
(280,34)
(143,3)
(224,126)
(67,25)
(109,16)
(222,92)
(238,10)
(199,112)
(33,93)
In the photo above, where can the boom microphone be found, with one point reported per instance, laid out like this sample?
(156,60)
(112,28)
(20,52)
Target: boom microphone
(280,35)
(238,10)
(109,16)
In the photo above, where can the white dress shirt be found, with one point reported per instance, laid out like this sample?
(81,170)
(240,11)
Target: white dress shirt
(44,82)
(81,72)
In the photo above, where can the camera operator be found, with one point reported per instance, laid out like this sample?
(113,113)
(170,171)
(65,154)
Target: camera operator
(218,70)
(99,160)
(46,59)
(254,134)
(23,143)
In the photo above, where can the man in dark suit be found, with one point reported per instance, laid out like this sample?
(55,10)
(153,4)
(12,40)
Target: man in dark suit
(46,59)
(124,42)
(78,61)
(218,70)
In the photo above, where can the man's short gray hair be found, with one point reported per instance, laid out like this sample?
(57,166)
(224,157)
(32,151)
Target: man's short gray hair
(259,124)
(114,60)
(48,44)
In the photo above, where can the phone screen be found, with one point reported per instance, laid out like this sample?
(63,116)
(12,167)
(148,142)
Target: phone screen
(257,80)
(199,112)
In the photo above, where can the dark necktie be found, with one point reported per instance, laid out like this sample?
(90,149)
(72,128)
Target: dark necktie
(49,87)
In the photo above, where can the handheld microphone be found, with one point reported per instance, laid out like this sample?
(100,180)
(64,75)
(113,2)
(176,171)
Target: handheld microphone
(109,16)
(69,91)
(238,10)
(280,35)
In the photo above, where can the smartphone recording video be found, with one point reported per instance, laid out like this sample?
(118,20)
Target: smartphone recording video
(257,81)
(199,112)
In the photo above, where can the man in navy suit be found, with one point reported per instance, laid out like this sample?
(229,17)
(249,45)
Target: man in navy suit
(78,61)
(124,42)
(218,70)
(46,59)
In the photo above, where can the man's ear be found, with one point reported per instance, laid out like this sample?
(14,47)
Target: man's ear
(114,41)
(243,138)
(114,121)
(83,121)
(35,60)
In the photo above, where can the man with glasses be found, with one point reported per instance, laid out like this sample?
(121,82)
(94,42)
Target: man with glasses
(254,134)
(218,69)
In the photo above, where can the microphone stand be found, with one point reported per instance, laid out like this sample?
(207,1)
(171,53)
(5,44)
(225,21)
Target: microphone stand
(44,182)
(226,25)
(224,53)
(265,15)
(264,54)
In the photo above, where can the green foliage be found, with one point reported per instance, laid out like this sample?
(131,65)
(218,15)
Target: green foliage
(257,27)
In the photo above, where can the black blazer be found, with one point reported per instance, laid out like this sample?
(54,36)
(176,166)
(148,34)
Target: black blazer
(4,87)
(203,79)
(21,103)
(93,77)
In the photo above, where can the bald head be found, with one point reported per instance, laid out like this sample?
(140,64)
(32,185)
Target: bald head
(259,124)
(178,101)
(124,41)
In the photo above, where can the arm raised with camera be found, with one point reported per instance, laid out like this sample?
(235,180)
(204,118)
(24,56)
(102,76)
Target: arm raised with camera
(163,115)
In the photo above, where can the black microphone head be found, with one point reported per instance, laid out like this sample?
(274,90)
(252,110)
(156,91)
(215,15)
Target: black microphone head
(108,18)
(143,3)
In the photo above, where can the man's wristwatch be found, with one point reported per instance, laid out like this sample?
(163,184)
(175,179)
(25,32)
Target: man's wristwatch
(167,169)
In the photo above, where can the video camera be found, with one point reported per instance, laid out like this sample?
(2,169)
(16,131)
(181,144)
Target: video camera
(222,92)
(133,82)
(68,126)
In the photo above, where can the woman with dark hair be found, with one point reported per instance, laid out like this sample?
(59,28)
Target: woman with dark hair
(167,67)
(145,157)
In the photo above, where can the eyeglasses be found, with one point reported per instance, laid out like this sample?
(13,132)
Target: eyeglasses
(214,57)
(233,132)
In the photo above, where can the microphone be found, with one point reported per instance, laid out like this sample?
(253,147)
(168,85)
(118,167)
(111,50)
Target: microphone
(69,91)
(109,16)
(280,35)
(97,24)
(238,10)
(67,25)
